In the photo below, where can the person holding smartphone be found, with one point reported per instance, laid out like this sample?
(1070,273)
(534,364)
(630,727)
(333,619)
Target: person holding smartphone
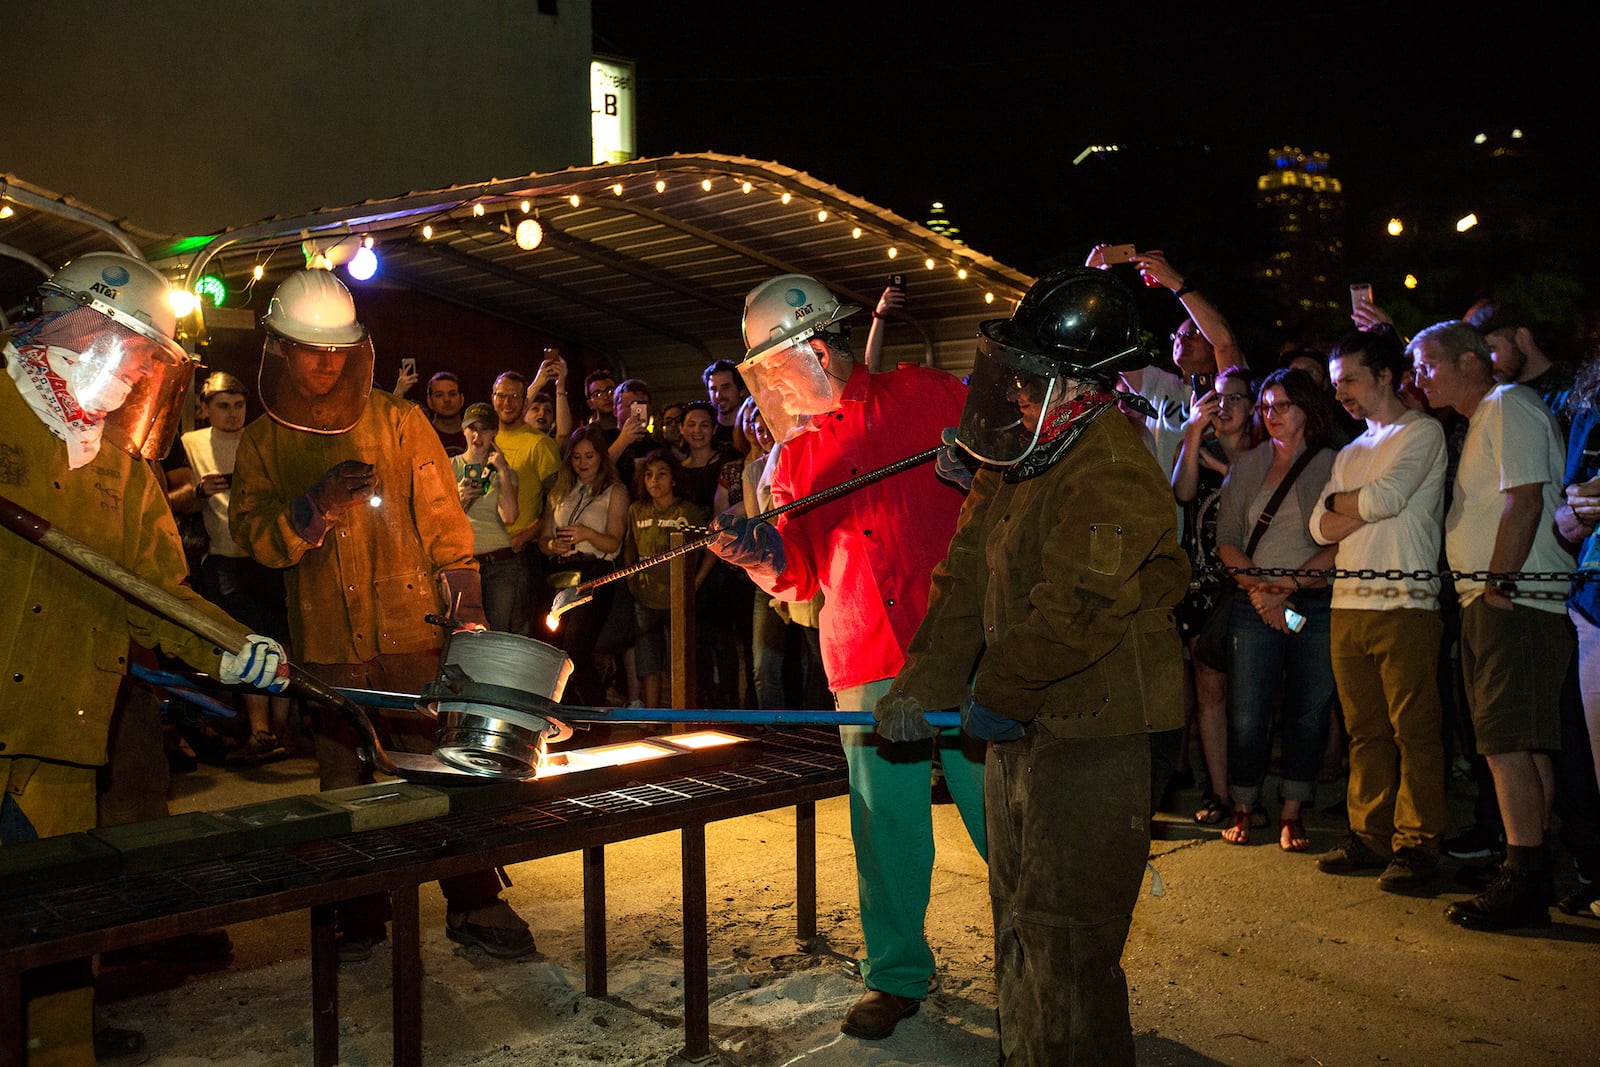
(487,487)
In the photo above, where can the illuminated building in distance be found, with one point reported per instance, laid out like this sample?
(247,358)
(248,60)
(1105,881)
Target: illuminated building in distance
(1301,206)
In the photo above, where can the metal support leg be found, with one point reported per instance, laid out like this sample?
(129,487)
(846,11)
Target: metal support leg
(324,988)
(696,973)
(407,967)
(805,871)
(594,921)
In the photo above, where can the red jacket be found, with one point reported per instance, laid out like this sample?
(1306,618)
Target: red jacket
(870,552)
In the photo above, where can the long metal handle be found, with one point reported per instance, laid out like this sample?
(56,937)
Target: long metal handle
(848,486)
(145,593)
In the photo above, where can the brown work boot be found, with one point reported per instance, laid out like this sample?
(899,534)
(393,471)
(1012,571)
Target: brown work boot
(876,1014)
(495,928)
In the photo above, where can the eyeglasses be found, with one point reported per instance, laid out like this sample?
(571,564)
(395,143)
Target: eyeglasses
(1233,398)
(671,420)
(1272,410)
(602,391)
(1192,335)
(505,396)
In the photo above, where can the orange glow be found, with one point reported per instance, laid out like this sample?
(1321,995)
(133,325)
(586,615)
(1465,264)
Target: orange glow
(703,739)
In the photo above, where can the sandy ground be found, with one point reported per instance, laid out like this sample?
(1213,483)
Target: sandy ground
(1237,956)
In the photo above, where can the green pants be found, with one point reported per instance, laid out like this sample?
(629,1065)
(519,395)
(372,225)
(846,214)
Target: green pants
(891,824)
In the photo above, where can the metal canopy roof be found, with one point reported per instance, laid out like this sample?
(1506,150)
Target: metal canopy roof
(648,265)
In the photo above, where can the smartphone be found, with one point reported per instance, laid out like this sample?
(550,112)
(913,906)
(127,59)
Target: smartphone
(1118,254)
(1200,383)
(897,281)
(1294,620)
(408,365)
(227,479)
(1360,293)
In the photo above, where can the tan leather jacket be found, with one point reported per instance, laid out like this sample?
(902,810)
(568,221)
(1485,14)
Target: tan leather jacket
(1055,601)
(65,635)
(366,588)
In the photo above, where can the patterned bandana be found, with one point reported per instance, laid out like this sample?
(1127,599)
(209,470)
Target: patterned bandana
(40,372)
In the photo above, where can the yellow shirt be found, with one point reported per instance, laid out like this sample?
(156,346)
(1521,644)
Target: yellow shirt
(536,459)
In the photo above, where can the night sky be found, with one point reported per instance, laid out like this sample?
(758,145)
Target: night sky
(985,111)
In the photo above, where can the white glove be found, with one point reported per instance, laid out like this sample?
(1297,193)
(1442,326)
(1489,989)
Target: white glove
(261,663)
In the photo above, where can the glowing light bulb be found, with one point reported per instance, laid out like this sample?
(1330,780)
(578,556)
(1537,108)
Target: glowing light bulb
(705,183)
(1480,138)
(746,187)
(259,272)
(616,187)
(1411,281)
(928,263)
(183,302)
(893,251)
(988,298)
(855,232)
(363,265)
(1516,135)
(1466,222)
(6,210)
(529,234)
(822,216)
(661,186)
(375,500)
(785,198)
(366,242)
(427,233)
(573,199)
(961,272)
(1396,227)
(477,209)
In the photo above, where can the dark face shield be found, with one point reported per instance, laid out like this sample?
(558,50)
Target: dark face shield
(316,388)
(1009,392)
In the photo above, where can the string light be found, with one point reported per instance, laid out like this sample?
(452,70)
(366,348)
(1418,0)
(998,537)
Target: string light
(427,232)
(573,199)
(366,242)
(364,264)
(258,273)
(661,186)
(746,187)
(477,209)
(616,187)
(988,298)
(6,210)
(529,234)
(705,183)
(822,216)
(961,272)
(855,232)
(785,198)
(527,205)
(928,263)
(893,251)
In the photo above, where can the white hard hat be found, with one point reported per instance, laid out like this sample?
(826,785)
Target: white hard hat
(314,307)
(788,309)
(128,291)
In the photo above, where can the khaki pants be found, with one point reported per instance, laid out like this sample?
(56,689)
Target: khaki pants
(1384,664)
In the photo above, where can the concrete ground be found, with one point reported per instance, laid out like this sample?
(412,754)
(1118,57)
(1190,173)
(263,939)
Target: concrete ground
(1238,955)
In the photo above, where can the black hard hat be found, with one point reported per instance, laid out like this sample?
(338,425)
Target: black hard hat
(1077,322)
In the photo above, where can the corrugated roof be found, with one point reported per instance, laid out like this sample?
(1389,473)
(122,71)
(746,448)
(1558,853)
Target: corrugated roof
(650,265)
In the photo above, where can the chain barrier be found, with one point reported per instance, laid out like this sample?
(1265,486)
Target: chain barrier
(1395,574)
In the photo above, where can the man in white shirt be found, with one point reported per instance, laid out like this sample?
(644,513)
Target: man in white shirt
(1383,507)
(1515,639)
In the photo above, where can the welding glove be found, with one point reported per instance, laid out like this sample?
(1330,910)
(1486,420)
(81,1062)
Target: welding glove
(261,663)
(955,464)
(902,719)
(345,485)
(744,542)
(463,598)
(986,725)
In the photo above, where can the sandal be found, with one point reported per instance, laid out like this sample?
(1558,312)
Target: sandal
(1213,811)
(1298,841)
(1240,830)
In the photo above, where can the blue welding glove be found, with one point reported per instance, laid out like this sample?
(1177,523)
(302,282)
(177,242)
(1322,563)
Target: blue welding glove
(902,719)
(261,663)
(743,542)
(986,725)
(955,464)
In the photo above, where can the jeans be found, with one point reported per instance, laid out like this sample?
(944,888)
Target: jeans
(768,636)
(1260,662)
(505,594)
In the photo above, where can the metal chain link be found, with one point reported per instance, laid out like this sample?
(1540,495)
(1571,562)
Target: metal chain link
(1368,574)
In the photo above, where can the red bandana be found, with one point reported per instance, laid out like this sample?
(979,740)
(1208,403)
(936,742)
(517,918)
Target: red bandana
(1056,423)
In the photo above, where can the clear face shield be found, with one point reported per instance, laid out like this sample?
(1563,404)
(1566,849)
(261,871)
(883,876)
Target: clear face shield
(316,388)
(789,384)
(1007,397)
(133,382)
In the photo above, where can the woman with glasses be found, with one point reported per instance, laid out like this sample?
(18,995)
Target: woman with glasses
(1219,430)
(1278,632)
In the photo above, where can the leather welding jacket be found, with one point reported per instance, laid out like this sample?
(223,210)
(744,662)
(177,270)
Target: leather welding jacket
(366,588)
(1060,590)
(65,634)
